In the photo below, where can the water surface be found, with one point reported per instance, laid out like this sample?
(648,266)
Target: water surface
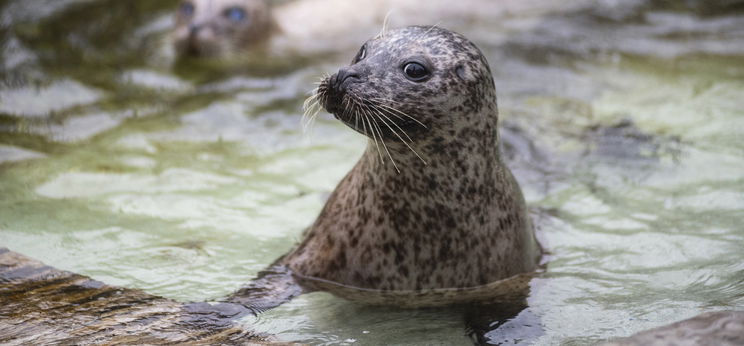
(185,181)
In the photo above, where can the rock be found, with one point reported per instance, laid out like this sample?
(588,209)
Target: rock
(721,328)
(43,305)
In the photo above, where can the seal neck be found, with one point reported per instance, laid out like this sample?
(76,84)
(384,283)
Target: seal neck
(475,146)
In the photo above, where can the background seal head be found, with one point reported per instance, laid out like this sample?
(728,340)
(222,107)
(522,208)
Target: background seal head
(213,28)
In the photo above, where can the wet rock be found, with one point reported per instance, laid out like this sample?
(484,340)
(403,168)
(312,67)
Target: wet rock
(721,328)
(43,305)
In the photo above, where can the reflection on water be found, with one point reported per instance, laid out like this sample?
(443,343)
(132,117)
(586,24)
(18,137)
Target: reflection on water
(186,183)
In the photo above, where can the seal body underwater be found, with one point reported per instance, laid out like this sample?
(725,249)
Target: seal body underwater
(430,205)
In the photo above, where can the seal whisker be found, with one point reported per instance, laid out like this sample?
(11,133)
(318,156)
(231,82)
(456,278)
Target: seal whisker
(385,111)
(397,112)
(349,107)
(364,125)
(382,139)
(399,137)
(381,112)
(307,105)
(356,122)
(311,108)
(380,115)
(384,24)
(374,136)
(316,107)
(427,31)
(366,116)
(313,95)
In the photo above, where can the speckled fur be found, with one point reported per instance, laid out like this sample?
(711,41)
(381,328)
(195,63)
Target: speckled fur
(457,221)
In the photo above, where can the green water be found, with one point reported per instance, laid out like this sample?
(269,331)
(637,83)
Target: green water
(187,180)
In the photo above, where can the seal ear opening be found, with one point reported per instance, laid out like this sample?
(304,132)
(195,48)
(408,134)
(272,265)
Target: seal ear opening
(462,72)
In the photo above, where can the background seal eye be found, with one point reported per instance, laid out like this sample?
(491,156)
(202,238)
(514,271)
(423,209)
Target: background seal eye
(416,72)
(235,14)
(361,54)
(187,9)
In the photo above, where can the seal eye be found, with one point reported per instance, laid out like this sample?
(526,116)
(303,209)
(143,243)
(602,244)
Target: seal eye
(187,9)
(360,55)
(235,14)
(415,72)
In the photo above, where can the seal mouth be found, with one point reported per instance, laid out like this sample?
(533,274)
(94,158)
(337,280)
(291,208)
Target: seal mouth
(373,117)
(348,109)
(195,48)
(333,103)
(337,101)
(335,88)
(192,49)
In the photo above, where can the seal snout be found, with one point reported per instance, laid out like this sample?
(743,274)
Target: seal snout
(337,87)
(199,41)
(194,30)
(343,78)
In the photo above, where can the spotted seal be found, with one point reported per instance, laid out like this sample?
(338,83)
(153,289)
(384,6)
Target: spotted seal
(430,210)
(221,27)
(240,28)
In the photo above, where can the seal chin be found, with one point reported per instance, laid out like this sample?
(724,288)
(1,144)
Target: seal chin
(348,118)
(336,89)
(198,48)
(332,97)
(333,104)
(194,50)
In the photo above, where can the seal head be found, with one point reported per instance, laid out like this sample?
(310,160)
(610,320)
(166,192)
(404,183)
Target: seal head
(430,205)
(220,27)
(415,70)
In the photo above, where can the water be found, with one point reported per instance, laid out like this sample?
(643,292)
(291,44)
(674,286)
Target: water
(186,181)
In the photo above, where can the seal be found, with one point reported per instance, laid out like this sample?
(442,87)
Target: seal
(430,206)
(221,27)
(236,28)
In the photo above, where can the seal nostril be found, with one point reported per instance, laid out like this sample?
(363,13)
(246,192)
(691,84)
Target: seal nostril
(194,29)
(339,80)
(346,77)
